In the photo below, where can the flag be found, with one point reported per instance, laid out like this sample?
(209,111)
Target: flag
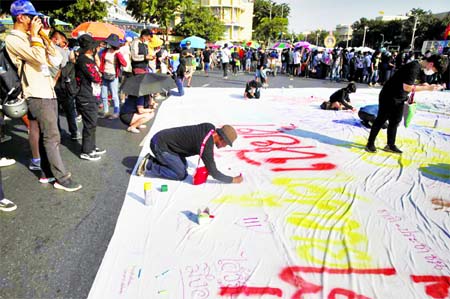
(447,33)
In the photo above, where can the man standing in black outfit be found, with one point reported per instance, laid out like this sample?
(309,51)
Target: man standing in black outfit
(395,93)
(172,146)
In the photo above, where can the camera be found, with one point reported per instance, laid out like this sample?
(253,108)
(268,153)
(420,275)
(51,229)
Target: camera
(47,22)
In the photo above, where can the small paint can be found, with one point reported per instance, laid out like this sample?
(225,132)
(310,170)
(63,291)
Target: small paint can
(164,188)
(148,199)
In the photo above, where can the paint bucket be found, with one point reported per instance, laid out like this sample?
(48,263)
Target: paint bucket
(148,199)
(200,176)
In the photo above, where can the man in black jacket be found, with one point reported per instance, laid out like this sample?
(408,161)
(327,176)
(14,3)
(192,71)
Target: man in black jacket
(172,146)
(395,93)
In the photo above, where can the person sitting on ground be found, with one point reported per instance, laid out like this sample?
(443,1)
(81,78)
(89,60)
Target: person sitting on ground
(5,204)
(368,114)
(134,115)
(172,146)
(252,90)
(340,100)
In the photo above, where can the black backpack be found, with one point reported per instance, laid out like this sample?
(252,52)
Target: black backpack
(10,86)
(67,86)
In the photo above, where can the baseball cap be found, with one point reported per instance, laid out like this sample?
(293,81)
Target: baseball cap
(87,43)
(228,133)
(23,7)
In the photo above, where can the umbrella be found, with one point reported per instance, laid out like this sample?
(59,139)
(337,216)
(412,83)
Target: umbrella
(98,30)
(221,43)
(196,42)
(131,33)
(155,42)
(302,43)
(281,45)
(141,85)
(251,44)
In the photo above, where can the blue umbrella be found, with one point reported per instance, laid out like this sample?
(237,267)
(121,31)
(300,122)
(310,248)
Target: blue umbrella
(196,42)
(130,33)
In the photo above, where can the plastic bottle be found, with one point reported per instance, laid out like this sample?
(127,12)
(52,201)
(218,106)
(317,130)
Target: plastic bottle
(148,194)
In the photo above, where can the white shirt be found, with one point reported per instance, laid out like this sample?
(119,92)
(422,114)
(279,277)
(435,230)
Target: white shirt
(225,54)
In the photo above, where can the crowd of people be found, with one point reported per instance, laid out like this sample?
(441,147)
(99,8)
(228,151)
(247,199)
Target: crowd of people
(82,76)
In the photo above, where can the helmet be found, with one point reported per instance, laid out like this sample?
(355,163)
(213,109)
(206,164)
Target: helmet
(15,108)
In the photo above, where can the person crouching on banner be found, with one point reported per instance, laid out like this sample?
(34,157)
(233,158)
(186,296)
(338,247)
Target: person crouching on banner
(394,94)
(134,113)
(252,90)
(172,146)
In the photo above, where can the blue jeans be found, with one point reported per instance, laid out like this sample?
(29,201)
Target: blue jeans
(179,83)
(113,87)
(167,165)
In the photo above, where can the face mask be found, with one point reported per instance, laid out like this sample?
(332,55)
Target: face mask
(428,72)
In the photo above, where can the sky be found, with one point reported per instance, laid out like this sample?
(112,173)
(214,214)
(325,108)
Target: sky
(309,15)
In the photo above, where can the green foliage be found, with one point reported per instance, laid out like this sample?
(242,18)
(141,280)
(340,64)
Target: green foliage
(81,11)
(399,32)
(270,29)
(265,13)
(200,21)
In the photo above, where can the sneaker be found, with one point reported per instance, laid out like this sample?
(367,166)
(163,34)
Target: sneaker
(143,165)
(370,148)
(225,77)
(114,116)
(392,149)
(7,206)
(76,136)
(133,130)
(160,97)
(44,180)
(142,126)
(36,166)
(6,162)
(67,185)
(91,157)
(5,138)
(99,151)
(79,118)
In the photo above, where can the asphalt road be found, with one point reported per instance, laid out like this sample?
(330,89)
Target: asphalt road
(53,244)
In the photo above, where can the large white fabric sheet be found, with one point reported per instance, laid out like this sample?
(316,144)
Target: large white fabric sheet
(316,216)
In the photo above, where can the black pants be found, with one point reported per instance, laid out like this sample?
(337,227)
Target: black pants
(388,110)
(89,115)
(68,106)
(2,195)
(225,69)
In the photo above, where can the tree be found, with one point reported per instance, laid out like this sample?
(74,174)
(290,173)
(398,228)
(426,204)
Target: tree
(81,11)
(265,12)
(162,12)
(270,29)
(200,21)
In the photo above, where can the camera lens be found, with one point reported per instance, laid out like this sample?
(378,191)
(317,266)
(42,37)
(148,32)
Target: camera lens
(47,22)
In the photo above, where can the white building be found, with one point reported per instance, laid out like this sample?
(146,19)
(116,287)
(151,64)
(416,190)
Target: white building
(344,32)
(237,16)
(392,18)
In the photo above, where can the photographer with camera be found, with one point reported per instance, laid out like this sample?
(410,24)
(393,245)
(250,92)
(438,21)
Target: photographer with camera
(32,52)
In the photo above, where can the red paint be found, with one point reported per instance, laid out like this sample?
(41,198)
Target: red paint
(379,271)
(242,155)
(250,291)
(304,287)
(316,166)
(349,294)
(438,287)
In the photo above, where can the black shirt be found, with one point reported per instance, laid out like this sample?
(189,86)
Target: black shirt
(86,73)
(342,97)
(189,58)
(393,88)
(206,56)
(186,141)
(254,84)
(262,60)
